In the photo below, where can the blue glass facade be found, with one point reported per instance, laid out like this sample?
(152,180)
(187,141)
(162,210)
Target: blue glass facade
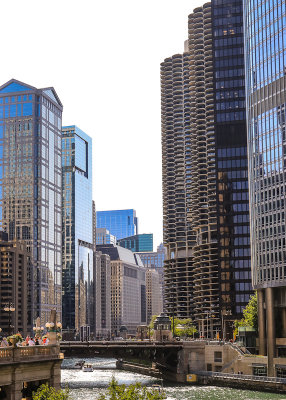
(120,223)
(265,48)
(30,186)
(78,283)
(141,242)
(265,24)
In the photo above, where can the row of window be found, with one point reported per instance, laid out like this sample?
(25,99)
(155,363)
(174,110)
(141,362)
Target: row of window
(232,152)
(230,105)
(234,163)
(234,174)
(230,116)
(14,99)
(227,9)
(234,30)
(16,110)
(233,83)
(229,73)
(230,41)
(229,52)
(270,206)
(232,19)
(241,218)
(242,275)
(229,62)
(242,241)
(240,196)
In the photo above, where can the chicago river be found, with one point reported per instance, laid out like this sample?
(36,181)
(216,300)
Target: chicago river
(88,385)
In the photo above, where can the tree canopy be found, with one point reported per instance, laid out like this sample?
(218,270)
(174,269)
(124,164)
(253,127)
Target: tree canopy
(46,392)
(183,327)
(250,314)
(131,392)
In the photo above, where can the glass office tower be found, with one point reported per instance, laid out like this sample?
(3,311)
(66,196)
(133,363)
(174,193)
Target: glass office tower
(265,48)
(141,242)
(78,280)
(120,223)
(30,186)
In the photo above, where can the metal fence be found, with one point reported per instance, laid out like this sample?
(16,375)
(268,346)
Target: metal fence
(241,377)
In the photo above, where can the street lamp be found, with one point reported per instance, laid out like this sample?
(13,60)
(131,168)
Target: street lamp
(9,307)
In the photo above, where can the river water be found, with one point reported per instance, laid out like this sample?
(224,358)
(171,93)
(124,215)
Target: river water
(88,385)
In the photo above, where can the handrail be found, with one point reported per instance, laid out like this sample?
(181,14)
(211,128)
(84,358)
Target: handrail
(242,377)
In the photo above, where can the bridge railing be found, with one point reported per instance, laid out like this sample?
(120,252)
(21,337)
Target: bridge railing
(242,377)
(28,353)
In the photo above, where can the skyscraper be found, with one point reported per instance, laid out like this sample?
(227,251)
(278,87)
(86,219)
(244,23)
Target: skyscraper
(135,243)
(78,279)
(205,188)
(103,236)
(30,185)
(265,34)
(120,223)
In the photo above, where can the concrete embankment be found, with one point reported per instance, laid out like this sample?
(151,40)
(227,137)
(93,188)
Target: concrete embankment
(139,369)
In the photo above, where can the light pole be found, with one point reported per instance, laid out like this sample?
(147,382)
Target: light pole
(9,307)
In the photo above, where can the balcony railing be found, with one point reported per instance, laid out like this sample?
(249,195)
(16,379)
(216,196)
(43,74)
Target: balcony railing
(29,353)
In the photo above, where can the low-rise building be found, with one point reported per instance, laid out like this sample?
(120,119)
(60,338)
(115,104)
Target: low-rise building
(128,289)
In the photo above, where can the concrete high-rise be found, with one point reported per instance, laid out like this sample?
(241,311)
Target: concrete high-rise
(128,289)
(154,293)
(78,234)
(265,26)
(102,295)
(14,286)
(205,187)
(30,185)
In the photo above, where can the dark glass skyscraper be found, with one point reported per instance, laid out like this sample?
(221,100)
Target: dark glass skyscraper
(265,40)
(78,280)
(30,185)
(205,187)
(120,223)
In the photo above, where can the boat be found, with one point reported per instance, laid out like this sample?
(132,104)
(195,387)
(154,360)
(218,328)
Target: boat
(87,368)
(79,365)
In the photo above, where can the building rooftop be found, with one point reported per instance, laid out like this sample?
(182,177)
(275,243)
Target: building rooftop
(120,253)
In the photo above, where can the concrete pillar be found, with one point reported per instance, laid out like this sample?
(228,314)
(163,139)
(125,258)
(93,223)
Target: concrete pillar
(271,336)
(261,322)
(283,312)
(16,390)
(55,380)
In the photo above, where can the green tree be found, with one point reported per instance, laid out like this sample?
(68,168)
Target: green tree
(46,392)
(250,315)
(132,392)
(183,327)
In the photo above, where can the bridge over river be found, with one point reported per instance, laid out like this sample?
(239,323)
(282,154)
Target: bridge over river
(165,355)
